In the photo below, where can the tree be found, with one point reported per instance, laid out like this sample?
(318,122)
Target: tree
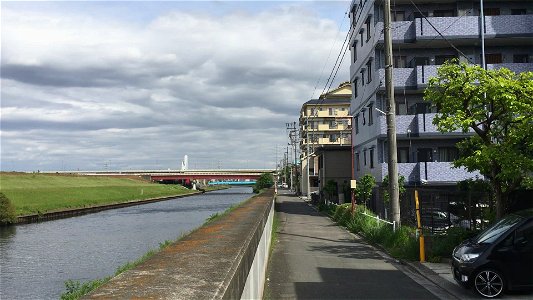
(497,105)
(265,181)
(385,186)
(364,187)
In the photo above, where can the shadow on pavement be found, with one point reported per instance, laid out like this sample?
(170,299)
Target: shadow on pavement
(338,283)
(348,251)
(295,208)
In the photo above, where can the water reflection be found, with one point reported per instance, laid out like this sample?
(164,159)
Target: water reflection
(36,259)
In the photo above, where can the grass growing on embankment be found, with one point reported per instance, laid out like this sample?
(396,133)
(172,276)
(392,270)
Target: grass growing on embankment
(40,193)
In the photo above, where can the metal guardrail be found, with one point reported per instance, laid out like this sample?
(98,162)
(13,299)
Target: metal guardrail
(378,218)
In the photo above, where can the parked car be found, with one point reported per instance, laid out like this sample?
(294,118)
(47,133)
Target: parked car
(500,258)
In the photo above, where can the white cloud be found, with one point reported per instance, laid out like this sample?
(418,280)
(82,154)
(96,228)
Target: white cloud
(86,90)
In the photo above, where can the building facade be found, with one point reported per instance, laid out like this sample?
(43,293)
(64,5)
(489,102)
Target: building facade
(425,34)
(323,122)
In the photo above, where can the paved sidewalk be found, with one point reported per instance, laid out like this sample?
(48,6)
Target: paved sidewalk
(314,258)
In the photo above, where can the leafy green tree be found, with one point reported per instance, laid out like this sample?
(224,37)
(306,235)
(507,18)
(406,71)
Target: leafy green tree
(7,210)
(385,186)
(497,105)
(266,180)
(363,191)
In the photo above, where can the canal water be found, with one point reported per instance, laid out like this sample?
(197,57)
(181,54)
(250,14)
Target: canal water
(36,259)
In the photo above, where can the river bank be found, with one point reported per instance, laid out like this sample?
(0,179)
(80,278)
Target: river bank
(38,197)
(36,259)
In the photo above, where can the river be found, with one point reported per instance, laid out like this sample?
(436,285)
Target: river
(36,259)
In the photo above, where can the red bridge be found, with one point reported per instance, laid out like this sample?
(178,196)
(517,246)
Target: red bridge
(175,175)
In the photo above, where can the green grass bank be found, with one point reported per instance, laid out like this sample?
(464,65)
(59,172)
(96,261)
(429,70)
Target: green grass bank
(41,193)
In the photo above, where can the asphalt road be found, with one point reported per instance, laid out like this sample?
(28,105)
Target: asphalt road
(315,259)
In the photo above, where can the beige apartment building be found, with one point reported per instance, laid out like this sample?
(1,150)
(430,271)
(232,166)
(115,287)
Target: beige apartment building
(323,122)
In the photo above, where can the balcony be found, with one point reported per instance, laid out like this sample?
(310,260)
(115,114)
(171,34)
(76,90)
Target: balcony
(509,25)
(515,67)
(402,77)
(467,27)
(403,31)
(346,141)
(431,172)
(418,125)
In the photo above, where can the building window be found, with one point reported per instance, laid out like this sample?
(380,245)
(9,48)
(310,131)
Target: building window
(333,138)
(448,154)
(400,61)
(401,108)
(361,34)
(371,158)
(367,23)
(356,121)
(521,58)
(333,125)
(424,154)
(398,16)
(363,77)
(364,157)
(354,10)
(519,11)
(370,115)
(493,58)
(444,13)
(357,161)
(418,15)
(369,71)
(355,88)
(354,51)
(441,59)
(403,155)
(491,11)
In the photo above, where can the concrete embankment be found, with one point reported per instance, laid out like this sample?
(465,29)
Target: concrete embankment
(67,213)
(225,259)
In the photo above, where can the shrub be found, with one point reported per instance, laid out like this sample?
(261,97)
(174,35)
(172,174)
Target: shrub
(7,210)
(265,181)
(400,244)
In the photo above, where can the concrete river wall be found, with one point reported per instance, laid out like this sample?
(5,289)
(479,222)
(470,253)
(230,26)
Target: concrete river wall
(225,259)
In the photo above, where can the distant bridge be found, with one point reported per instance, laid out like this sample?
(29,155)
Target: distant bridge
(187,175)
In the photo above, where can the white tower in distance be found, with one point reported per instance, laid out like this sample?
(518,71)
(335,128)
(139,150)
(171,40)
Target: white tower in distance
(185,163)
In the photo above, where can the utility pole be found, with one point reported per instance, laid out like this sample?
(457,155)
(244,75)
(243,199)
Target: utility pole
(293,137)
(391,121)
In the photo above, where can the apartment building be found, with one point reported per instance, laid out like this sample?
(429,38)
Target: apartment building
(323,122)
(425,34)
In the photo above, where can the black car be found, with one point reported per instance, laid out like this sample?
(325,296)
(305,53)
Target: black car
(498,259)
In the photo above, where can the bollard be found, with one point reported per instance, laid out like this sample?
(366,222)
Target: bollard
(419,229)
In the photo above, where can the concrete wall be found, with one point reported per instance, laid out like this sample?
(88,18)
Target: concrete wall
(225,259)
(255,283)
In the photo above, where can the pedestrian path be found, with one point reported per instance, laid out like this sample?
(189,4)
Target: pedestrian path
(316,259)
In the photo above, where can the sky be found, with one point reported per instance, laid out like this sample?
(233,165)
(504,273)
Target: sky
(137,85)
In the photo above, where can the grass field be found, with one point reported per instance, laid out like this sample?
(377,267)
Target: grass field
(40,193)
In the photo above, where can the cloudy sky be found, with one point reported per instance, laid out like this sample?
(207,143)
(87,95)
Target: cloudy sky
(138,85)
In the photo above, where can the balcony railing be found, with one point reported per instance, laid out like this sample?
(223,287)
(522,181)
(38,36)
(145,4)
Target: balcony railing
(431,172)
(515,67)
(402,77)
(413,125)
(403,31)
(466,27)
